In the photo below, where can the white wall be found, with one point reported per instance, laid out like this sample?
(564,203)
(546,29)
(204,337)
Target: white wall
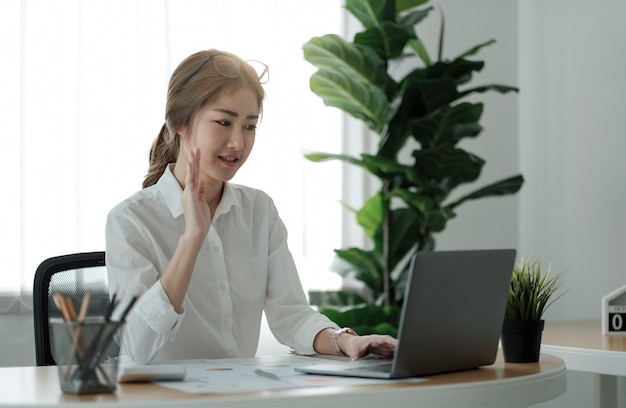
(571,59)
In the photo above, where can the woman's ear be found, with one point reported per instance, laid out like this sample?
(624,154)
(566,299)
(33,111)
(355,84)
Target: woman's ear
(181,131)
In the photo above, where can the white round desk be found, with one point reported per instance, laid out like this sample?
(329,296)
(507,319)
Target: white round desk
(498,385)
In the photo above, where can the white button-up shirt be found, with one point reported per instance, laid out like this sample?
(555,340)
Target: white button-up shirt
(244,268)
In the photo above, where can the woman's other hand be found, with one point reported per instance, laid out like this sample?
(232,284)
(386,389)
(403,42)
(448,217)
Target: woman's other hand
(356,347)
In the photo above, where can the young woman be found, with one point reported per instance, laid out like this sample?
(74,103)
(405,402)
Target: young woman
(208,256)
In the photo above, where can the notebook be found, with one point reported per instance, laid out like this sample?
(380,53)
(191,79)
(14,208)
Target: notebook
(451,317)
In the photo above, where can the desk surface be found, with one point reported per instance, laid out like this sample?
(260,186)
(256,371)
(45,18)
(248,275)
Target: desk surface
(502,384)
(583,346)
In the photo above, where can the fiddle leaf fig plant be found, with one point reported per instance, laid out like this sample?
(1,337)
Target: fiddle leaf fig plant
(419,117)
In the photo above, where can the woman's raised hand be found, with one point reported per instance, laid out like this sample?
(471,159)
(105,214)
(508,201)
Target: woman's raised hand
(197,211)
(175,279)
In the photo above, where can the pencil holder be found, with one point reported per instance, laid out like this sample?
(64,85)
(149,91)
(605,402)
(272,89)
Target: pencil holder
(85,354)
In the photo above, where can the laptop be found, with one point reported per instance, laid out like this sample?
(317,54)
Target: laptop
(451,317)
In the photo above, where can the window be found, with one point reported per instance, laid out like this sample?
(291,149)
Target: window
(84,85)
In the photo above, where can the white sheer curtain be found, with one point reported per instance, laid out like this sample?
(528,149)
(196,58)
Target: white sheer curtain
(83,95)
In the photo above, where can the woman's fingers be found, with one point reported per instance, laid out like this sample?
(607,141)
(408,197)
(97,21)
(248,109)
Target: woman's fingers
(359,346)
(191,180)
(197,213)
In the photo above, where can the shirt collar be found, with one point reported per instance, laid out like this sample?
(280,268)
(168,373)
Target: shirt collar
(172,194)
(229,200)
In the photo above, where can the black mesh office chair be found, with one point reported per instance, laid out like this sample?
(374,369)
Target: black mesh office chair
(72,276)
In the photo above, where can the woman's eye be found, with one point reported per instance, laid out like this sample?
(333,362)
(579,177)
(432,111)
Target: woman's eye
(224,122)
(251,127)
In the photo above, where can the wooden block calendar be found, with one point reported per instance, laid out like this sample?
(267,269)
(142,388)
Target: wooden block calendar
(614,312)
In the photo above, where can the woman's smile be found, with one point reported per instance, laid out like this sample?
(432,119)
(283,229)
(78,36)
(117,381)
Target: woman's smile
(230,160)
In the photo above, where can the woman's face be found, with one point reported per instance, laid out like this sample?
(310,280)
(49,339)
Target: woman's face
(224,131)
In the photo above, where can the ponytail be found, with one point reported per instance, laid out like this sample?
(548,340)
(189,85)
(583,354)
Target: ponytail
(164,151)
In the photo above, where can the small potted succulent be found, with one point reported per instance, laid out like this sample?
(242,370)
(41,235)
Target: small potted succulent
(532,291)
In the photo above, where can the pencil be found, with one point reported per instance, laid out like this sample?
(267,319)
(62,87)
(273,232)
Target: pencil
(77,334)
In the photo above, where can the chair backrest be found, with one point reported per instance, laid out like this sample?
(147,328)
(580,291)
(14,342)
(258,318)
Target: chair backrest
(73,276)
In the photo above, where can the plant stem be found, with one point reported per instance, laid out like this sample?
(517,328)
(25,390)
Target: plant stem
(387,294)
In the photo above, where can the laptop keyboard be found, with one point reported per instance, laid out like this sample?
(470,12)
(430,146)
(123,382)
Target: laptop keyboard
(382,368)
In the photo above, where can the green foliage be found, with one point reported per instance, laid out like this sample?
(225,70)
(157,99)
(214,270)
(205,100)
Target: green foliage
(423,111)
(531,291)
(367,319)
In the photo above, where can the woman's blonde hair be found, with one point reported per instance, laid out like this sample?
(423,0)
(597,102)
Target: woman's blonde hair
(195,83)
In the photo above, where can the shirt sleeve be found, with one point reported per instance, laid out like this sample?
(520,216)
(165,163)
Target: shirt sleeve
(152,321)
(290,317)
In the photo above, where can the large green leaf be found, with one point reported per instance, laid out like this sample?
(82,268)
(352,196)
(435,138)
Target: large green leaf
(378,39)
(460,70)
(494,87)
(448,164)
(405,225)
(378,166)
(351,78)
(333,53)
(474,50)
(405,235)
(422,96)
(367,266)
(360,99)
(406,232)
(383,167)
(371,13)
(432,215)
(322,157)
(413,17)
(425,109)
(419,203)
(393,140)
(448,125)
(509,185)
(371,215)
(404,5)
(382,33)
